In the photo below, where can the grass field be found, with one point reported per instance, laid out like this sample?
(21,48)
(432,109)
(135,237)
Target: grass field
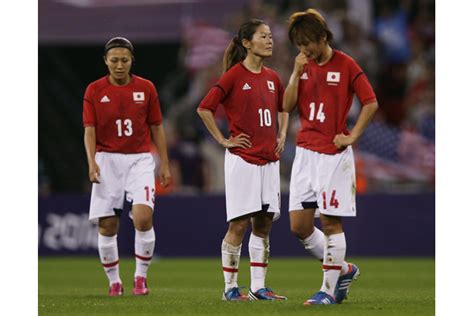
(388,286)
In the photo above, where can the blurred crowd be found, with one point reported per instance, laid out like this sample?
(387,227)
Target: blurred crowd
(393,42)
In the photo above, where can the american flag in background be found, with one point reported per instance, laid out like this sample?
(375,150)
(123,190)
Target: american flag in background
(395,155)
(205,45)
(381,140)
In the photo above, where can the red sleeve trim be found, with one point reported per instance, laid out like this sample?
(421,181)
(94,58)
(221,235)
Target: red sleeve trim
(368,101)
(357,76)
(220,87)
(155,123)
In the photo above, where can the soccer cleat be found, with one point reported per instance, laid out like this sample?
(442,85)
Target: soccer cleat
(116,289)
(140,287)
(265,293)
(234,294)
(320,298)
(344,282)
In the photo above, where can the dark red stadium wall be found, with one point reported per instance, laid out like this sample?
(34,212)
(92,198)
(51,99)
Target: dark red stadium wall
(386,225)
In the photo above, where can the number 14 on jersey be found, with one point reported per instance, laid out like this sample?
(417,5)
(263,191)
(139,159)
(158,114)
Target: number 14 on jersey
(320,116)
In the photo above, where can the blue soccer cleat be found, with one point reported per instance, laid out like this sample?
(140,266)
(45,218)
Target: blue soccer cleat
(267,294)
(344,282)
(234,294)
(320,298)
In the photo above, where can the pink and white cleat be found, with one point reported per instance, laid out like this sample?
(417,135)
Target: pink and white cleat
(140,287)
(116,289)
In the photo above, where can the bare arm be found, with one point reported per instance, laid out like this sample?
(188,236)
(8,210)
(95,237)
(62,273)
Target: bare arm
(90,145)
(283,123)
(363,120)
(159,139)
(291,92)
(241,140)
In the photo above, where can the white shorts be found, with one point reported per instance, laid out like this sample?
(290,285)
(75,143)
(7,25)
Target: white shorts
(324,182)
(122,174)
(251,188)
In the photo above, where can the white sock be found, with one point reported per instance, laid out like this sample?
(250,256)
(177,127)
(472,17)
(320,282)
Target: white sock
(315,244)
(108,252)
(230,264)
(259,250)
(334,254)
(144,247)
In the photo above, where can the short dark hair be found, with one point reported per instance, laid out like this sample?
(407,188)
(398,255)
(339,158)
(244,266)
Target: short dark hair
(308,26)
(118,42)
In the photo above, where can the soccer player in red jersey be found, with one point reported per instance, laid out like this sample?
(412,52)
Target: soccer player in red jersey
(121,114)
(322,86)
(252,96)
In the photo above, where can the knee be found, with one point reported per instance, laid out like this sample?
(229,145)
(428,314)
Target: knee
(143,225)
(108,227)
(262,231)
(301,231)
(262,227)
(238,228)
(142,217)
(331,229)
(331,225)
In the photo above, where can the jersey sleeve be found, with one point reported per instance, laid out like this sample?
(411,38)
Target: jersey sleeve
(218,93)
(154,109)
(361,85)
(212,100)
(226,82)
(88,110)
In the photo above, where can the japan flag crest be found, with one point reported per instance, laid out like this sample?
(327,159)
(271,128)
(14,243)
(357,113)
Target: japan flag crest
(271,85)
(139,96)
(333,77)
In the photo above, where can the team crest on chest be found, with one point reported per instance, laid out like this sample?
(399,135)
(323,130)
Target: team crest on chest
(139,96)
(333,78)
(271,86)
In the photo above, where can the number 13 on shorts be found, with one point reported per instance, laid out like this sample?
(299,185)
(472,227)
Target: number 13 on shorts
(150,195)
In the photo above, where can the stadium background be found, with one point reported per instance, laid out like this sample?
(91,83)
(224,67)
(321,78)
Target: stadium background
(179,46)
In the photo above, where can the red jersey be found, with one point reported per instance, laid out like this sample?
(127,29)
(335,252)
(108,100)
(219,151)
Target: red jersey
(325,96)
(122,115)
(251,102)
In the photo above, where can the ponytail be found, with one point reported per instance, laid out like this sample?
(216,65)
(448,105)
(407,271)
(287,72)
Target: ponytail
(234,53)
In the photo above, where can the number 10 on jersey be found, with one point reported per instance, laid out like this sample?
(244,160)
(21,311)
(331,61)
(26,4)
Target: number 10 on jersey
(320,116)
(265,117)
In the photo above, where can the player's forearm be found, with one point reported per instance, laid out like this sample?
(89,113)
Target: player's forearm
(90,143)
(291,93)
(159,139)
(210,123)
(363,120)
(283,123)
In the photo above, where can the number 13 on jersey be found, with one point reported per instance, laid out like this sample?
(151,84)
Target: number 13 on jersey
(320,116)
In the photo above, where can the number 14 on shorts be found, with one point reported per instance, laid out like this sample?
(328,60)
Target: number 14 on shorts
(333,202)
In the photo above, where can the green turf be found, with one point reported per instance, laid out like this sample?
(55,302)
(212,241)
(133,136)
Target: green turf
(78,286)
